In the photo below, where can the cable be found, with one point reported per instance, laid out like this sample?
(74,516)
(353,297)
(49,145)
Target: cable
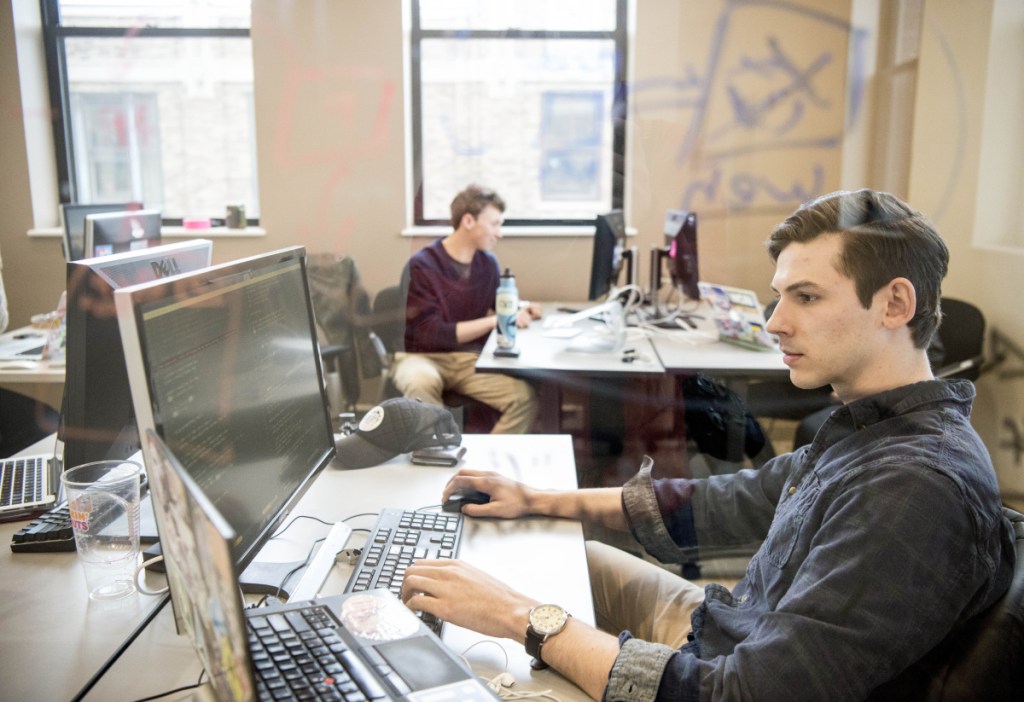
(183,688)
(138,582)
(288,526)
(502,683)
(296,569)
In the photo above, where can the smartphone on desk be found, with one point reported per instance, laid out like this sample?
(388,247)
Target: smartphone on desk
(438,455)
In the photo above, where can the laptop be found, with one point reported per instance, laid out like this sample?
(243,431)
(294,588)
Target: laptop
(738,316)
(28,484)
(367,645)
(23,345)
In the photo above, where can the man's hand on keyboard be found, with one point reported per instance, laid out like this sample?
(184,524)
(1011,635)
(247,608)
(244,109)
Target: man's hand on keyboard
(462,594)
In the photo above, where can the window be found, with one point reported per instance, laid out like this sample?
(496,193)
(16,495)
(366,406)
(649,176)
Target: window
(153,102)
(527,97)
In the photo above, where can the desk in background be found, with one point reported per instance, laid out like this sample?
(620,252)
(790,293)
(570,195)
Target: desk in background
(551,366)
(53,639)
(40,380)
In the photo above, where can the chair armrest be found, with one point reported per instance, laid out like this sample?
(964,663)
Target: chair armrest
(970,366)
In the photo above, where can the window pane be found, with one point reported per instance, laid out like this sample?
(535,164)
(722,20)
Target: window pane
(530,118)
(170,118)
(568,15)
(155,13)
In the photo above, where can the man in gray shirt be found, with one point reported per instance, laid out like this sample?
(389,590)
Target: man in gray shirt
(876,540)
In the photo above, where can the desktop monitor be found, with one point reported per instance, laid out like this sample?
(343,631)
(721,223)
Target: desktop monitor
(74,215)
(224,367)
(117,232)
(609,254)
(97,419)
(681,240)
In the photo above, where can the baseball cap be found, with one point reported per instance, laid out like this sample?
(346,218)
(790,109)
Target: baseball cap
(395,426)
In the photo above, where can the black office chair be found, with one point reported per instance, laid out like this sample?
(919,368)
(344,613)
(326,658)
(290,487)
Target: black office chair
(983,660)
(342,309)
(473,416)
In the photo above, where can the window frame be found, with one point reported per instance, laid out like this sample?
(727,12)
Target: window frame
(54,35)
(619,102)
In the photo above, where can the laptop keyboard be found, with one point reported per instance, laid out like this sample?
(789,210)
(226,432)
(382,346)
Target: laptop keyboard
(23,481)
(298,654)
(398,538)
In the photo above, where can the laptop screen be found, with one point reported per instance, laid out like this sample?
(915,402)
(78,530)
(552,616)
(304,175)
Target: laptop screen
(201,574)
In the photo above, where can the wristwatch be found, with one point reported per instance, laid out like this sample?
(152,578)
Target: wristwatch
(546,620)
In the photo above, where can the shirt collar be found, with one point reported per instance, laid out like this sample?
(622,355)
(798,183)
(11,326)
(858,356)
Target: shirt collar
(862,413)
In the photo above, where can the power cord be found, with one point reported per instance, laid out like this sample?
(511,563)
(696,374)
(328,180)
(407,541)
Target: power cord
(183,688)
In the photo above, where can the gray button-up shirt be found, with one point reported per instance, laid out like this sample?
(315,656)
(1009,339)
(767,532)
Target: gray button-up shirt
(875,542)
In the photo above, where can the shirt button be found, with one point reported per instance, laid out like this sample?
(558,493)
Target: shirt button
(744,598)
(792,490)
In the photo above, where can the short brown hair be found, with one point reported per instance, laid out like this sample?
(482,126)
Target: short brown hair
(473,200)
(883,238)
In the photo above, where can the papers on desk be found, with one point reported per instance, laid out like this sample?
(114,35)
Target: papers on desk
(22,345)
(561,332)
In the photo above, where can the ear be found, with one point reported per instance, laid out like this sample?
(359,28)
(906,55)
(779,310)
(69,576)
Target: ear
(468,220)
(900,300)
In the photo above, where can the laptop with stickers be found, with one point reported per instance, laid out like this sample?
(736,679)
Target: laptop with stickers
(361,646)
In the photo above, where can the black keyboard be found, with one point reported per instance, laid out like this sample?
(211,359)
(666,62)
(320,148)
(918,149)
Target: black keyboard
(398,538)
(49,532)
(298,654)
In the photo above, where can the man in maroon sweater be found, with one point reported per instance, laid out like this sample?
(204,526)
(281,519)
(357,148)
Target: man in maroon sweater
(450,311)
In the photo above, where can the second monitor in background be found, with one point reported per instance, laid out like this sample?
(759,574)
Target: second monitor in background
(97,417)
(681,240)
(117,232)
(680,251)
(74,215)
(610,255)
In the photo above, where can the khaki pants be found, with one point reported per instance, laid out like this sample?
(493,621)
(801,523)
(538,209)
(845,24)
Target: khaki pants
(426,375)
(634,594)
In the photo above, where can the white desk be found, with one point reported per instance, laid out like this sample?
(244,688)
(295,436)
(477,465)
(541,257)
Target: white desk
(550,363)
(684,352)
(40,380)
(52,638)
(542,557)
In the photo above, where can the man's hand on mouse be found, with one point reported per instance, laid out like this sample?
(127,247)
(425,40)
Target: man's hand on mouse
(509,499)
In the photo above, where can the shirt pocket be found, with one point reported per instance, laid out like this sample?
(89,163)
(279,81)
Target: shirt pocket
(784,534)
(782,539)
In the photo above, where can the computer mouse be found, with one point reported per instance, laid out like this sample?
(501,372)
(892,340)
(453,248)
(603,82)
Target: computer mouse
(459,498)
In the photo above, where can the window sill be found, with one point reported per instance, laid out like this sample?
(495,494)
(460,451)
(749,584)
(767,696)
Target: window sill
(553,230)
(172,232)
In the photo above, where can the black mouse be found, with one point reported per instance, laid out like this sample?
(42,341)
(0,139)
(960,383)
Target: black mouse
(465,497)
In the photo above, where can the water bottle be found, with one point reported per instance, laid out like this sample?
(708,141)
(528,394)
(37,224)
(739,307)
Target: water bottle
(506,305)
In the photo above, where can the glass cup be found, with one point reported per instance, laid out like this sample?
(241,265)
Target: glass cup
(103,498)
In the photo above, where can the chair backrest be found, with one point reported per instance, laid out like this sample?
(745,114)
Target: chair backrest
(983,660)
(342,308)
(389,317)
(962,334)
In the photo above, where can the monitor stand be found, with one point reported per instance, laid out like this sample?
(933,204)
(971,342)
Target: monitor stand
(270,578)
(687,318)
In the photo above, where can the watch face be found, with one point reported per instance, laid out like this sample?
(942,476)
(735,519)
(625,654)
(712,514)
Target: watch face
(547,619)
